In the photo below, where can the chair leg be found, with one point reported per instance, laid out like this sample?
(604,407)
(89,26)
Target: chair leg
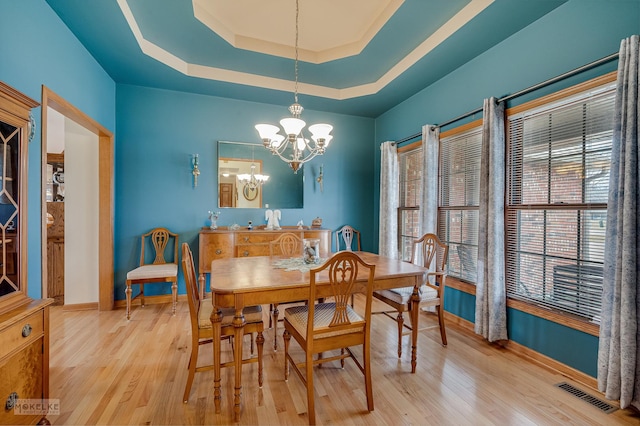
(193,362)
(141,295)
(366,354)
(311,409)
(287,339)
(276,313)
(443,333)
(400,320)
(260,343)
(251,334)
(174,294)
(127,292)
(270,315)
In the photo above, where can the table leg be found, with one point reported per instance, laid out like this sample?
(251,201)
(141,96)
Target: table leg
(415,310)
(238,334)
(216,324)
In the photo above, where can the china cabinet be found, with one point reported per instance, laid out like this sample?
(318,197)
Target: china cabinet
(24,322)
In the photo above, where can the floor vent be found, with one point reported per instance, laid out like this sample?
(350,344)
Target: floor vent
(598,403)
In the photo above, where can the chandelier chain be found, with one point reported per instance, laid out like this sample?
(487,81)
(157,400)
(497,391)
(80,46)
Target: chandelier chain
(295,92)
(294,148)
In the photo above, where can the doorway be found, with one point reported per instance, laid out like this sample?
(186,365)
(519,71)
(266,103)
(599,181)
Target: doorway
(93,148)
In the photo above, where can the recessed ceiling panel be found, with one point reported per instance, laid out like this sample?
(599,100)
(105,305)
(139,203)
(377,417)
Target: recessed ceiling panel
(331,29)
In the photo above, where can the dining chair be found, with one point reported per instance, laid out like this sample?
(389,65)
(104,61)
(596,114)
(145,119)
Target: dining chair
(287,244)
(328,326)
(202,331)
(427,251)
(348,235)
(160,270)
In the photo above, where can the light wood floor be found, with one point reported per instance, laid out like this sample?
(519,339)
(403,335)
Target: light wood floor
(107,370)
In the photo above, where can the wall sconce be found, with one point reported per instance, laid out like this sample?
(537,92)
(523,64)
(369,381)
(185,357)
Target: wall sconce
(320,179)
(196,171)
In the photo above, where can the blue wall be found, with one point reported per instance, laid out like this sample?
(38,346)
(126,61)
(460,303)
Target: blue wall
(38,49)
(574,34)
(158,132)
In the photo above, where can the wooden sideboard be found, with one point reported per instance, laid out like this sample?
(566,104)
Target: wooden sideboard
(24,362)
(223,243)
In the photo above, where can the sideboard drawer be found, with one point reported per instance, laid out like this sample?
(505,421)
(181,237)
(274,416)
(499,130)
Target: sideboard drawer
(21,333)
(256,237)
(249,250)
(217,245)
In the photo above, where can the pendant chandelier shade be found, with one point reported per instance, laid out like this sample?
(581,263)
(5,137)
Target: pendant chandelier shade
(293,147)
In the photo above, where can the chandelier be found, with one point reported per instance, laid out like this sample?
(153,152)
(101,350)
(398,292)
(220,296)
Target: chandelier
(294,148)
(253,180)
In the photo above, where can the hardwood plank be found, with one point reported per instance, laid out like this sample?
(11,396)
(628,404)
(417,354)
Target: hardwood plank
(107,370)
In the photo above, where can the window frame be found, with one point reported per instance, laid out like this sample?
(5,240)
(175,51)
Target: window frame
(530,305)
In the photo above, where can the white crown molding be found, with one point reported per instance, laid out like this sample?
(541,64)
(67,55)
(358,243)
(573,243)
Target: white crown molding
(461,18)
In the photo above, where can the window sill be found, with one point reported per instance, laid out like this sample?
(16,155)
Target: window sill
(529,308)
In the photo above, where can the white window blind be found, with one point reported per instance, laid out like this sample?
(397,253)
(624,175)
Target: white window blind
(558,164)
(458,206)
(410,198)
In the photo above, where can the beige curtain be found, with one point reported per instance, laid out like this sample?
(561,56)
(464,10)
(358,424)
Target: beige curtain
(389,200)
(430,159)
(491,297)
(619,344)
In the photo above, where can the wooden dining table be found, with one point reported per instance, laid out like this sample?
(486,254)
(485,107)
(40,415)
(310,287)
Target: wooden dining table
(245,281)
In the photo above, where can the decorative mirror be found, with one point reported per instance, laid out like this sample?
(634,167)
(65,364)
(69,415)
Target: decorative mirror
(249,176)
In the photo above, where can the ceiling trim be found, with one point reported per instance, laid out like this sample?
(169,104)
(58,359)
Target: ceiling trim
(466,14)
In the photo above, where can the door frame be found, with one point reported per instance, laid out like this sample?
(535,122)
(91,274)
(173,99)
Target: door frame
(105,197)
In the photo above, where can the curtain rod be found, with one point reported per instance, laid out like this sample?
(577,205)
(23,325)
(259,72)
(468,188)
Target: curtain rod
(525,91)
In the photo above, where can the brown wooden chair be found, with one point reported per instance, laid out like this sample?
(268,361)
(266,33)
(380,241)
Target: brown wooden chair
(328,326)
(160,270)
(348,235)
(287,244)
(202,330)
(428,251)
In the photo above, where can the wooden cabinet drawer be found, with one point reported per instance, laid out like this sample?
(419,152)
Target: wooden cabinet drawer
(216,246)
(256,237)
(11,338)
(248,250)
(22,373)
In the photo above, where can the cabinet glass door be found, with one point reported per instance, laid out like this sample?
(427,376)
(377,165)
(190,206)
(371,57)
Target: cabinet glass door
(9,190)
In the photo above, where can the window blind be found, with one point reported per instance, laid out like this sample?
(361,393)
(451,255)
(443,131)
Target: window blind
(459,175)
(558,163)
(410,198)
